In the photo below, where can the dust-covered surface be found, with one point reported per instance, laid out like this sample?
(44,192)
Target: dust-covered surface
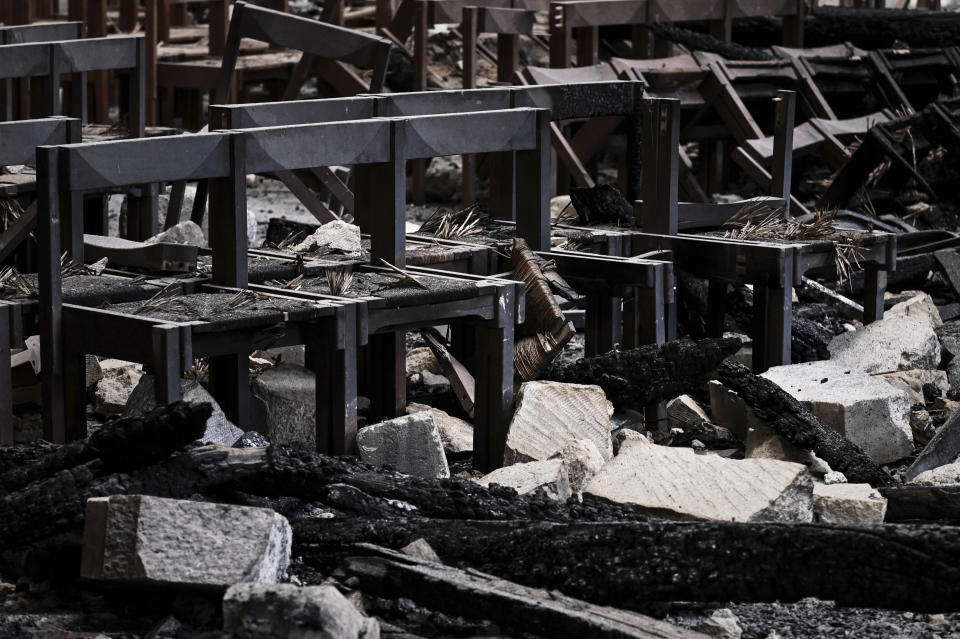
(223,311)
(397,289)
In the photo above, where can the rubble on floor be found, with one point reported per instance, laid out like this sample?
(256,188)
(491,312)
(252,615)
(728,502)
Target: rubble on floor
(411,444)
(283,401)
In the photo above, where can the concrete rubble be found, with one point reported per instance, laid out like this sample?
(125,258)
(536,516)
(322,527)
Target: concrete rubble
(455,433)
(848,504)
(137,539)
(284,405)
(677,483)
(118,380)
(255,610)
(338,236)
(411,444)
(548,415)
(550,475)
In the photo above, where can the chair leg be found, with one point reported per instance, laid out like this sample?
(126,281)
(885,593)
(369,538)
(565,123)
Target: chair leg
(332,356)
(230,387)
(75,395)
(493,394)
(6,377)
(716,306)
(387,375)
(773,322)
(604,320)
(874,287)
(167,363)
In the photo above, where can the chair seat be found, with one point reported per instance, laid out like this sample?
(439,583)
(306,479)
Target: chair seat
(92,290)
(395,292)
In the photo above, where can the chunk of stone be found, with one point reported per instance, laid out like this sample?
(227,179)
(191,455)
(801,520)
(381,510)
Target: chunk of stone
(456,434)
(187,232)
(550,475)
(949,335)
(848,504)
(904,339)
(549,415)
(677,483)
(684,412)
(443,178)
(870,413)
(911,382)
(114,388)
(559,204)
(411,444)
(433,382)
(834,477)
(731,412)
(422,549)
(940,476)
(625,435)
(93,372)
(285,405)
(220,430)
(253,611)
(140,539)
(422,359)
(333,236)
(764,443)
(582,460)
(722,624)
(251,439)
(295,354)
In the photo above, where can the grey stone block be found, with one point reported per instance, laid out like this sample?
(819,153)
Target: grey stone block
(284,405)
(550,475)
(411,444)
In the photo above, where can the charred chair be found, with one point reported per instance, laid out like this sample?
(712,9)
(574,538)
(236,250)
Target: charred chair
(220,318)
(773,267)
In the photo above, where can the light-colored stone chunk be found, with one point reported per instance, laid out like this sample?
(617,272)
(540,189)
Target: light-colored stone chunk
(848,504)
(219,429)
(411,444)
(422,359)
(912,382)
(333,236)
(254,611)
(729,411)
(677,483)
(151,540)
(456,434)
(684,412)
(904,339)
(870,413)
(582,459)
(118,380)
(285,405)
(551,475)
(187,232)
(764,443)
(549,415)
(940,476)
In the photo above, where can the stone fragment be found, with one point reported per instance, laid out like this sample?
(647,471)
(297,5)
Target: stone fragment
(411,444)
(550,475)
(912,382)
(93,372)
(729,411)
(220,430)
(549,415)
(420,548)
(684,412)
(582,460)
(764,443)
(285,405)
(940,476)
(559,204)
(834,477)
(187,232)
(433,382)
(443,178)
(253,611)
(139,539)
(848,504)
(337,236)
(904,339)
(422,359)
(949,335)
(948,406)
(624,435)
(456,434)
(677,483)
(114,388)
(295,354)
(722,624)
(870,413)
(252,439)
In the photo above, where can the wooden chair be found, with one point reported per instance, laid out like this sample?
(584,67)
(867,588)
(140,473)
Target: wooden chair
(221,319)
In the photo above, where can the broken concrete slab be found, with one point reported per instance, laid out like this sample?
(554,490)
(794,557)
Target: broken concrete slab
(550,475)
(434,383)
(138,539)
(119,379)
(549,415)
(187,232)
(848,504)
(582,460)
(411,444)
(625,435)
(870,413)
(336,236)
(684,412)
(220,430)
(939,476)
(721,624)
(284,405)
(677,483)
(912,382)
(252,611)
(904,339)
(455,433)
(763,443)
(422,549)
(729,411)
